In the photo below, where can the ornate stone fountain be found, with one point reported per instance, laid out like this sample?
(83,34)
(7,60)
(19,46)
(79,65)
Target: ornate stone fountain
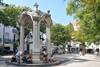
(34,18)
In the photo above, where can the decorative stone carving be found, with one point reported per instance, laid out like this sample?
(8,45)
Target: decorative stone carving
(35,17)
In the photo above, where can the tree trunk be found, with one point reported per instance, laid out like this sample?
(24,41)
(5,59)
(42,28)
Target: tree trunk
(3,44)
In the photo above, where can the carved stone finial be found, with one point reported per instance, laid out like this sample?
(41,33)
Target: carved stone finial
(48,11)
(36,6)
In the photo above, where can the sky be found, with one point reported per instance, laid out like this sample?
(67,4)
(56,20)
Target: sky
(57,8)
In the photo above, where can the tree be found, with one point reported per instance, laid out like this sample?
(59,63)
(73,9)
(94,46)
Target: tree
(69,29)
(9,16)
(58,35)
(43,26)
(12,12)
(88,13)
(78,36)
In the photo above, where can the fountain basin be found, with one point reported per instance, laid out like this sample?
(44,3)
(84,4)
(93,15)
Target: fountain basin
(34,63)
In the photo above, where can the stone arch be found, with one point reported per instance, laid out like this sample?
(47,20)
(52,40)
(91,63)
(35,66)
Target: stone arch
(34,18)
(26,19)
(43,26)
(47,19)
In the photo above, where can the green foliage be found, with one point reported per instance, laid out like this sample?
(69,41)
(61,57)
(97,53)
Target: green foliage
(3,17)
(43,27)
(78,36)
(9,16)
(69,29)
(58,34)
(88,13)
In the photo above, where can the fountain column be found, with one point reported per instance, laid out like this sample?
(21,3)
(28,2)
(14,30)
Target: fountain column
(21,48)
(35,48)
(48,37)
(36,29)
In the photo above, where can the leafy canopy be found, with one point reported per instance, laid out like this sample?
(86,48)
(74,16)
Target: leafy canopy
(88,13)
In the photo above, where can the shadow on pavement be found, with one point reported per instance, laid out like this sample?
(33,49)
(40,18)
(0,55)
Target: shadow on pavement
(74,59)
(78,60)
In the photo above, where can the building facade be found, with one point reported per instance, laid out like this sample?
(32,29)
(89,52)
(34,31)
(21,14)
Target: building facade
(6,36)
